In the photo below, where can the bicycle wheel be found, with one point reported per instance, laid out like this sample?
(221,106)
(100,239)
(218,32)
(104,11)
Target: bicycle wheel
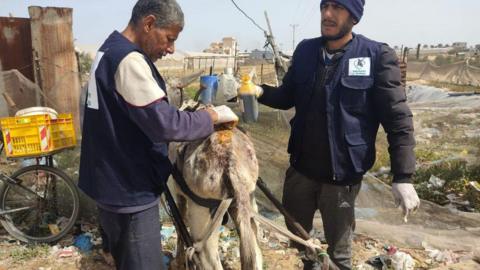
(41,207)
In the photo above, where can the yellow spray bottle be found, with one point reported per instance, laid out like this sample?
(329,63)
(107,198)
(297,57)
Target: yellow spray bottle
(248,99)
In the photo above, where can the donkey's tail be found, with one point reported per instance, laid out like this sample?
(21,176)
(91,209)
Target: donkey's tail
(241,213)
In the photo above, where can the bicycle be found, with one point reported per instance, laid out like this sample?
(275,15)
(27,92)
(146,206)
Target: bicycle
(38,203)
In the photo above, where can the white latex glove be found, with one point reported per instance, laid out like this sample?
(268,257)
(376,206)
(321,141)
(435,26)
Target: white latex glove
(225,114)
(406,197)
(258,91)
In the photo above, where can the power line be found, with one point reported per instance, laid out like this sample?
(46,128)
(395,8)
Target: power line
(246,15)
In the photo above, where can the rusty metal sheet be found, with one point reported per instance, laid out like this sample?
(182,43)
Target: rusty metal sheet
(16,45)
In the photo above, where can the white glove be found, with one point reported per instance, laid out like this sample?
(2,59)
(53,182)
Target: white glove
(258,91)
(406,197)
(225,114)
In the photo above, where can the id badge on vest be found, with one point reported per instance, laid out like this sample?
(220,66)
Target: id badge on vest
(359,66)
(92,95)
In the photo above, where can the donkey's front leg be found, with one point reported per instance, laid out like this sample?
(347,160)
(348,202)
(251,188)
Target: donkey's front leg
(180,258)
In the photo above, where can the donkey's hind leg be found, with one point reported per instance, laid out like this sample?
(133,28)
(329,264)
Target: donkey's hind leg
(258,251)
(250,253)
(199,222)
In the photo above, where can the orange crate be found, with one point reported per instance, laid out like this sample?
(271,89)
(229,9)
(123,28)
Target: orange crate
(37,135)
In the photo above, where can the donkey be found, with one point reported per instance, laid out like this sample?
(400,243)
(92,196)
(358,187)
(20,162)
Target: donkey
(222,166)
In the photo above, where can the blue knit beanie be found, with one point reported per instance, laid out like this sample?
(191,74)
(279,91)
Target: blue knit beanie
(355,7)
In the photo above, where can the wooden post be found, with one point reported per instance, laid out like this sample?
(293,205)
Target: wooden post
(261,74)
(418,51)
(213,65)
(52,40)
(235,70)
(38,79)
(9,100)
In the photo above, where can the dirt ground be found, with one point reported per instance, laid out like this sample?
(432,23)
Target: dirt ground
(276,255)
(433,134)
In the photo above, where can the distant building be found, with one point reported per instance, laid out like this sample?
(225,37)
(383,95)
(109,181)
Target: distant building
(477,47)
(460,45)
(227,46)
(258,55)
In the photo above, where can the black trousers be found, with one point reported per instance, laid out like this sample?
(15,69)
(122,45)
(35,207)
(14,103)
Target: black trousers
(302,197)
(134,240)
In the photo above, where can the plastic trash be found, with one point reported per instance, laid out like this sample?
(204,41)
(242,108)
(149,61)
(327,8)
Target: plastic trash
(166,261)
(83,242)
(436,182)
(402,261)
(167,232)
(227,86)
(379,262)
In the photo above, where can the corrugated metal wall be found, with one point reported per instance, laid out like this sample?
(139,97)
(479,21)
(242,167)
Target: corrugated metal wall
(16,45)
(16,53)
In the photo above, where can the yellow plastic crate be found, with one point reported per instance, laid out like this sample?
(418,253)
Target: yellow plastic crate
(37,135)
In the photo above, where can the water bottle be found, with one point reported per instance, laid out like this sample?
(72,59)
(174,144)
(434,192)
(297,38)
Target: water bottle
(248,100)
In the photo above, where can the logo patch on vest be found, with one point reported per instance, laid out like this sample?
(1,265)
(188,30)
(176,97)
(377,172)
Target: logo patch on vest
(359,66)
(92,95)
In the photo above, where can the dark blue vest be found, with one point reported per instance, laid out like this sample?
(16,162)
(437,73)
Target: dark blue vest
(119,165)
(351,123)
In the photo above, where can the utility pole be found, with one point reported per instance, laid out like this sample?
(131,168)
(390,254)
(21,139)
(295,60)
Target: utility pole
(293,28)
(280,66)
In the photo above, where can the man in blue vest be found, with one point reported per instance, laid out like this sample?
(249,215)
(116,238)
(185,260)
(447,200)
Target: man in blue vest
(128,123)
(342,86)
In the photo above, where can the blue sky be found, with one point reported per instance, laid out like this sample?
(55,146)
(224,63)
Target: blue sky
(397,22)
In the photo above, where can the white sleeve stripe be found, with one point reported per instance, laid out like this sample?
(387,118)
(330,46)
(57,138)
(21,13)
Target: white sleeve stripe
(135,83)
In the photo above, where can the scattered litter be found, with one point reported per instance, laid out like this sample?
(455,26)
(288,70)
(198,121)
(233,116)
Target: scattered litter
(455,199)
(83,242)
(65,252)
(379,262)
(236,252)
(445,257)
(167,232)
(54,228)
(475,185)
(166,261)
(435,182)
(365,267)
(402,261)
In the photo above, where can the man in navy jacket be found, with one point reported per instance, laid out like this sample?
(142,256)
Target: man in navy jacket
(342,86)
(127,126)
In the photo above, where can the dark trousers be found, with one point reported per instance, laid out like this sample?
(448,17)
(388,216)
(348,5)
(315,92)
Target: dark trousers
(303,196)
(134,239)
